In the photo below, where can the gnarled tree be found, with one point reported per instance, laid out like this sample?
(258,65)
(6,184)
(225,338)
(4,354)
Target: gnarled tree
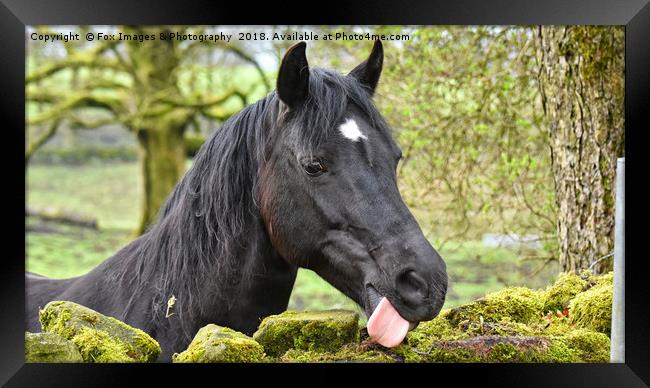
(134,83)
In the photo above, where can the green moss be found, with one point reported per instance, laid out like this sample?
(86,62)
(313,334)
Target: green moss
(50,347)
(555,326)
(54,320)
(605,280)
(519,304)
(422,338)
(89,318)
(503,353)
(68,319)
(450,355)
(98,346)
(590,346)
(214,343)
(593,279)
(565,288)
(320,331)
(348,353)
(510,325)
(558,351)
(592,309)
(504,327)
(147,347)
(503,341)
(487,349)
(438,328)
(501,349)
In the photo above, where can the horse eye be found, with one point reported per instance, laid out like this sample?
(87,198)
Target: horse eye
(314,167)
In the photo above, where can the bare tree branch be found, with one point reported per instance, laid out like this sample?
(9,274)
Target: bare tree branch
(72,63)
(247,58)
(41,140)
(90,59)
(81,100)
(184,103)
(76,122)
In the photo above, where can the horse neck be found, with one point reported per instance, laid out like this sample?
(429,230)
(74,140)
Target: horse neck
(256,283)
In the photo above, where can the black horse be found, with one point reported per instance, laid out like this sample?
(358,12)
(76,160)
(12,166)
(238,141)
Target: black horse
(305,177)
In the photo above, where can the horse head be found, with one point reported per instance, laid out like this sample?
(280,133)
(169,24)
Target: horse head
(330,202)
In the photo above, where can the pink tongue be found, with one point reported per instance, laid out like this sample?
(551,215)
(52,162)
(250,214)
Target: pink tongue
(386,326)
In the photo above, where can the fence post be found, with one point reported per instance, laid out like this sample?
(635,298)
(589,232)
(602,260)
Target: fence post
(618,303)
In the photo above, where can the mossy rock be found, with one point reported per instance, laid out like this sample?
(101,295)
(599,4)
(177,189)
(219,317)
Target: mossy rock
(517,304)
(320,331)
(500,349)
(214,343)
(475,333)
(98,346)
(441,340)
(592,309)
(50,347)
(517,324)
(576,347)
(565,288)
(99,338)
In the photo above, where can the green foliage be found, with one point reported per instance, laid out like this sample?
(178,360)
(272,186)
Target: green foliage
(475,269)
(464,104)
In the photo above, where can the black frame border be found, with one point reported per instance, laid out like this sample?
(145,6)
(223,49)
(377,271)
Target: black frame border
(15,15)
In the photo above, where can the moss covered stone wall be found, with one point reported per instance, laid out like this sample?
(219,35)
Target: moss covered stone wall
(567,322)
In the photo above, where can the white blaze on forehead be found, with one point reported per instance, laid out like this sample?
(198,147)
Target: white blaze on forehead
(350,130)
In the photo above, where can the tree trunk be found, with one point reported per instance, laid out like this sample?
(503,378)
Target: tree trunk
(581,80)
(162,163)
(159,128)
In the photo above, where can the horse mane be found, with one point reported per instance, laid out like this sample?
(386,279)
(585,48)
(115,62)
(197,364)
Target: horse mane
(205,220)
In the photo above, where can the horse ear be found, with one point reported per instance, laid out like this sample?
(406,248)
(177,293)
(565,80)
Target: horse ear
(293,77)
(368,71)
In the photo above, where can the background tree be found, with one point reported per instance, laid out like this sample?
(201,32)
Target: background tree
(141,85)
(581,80)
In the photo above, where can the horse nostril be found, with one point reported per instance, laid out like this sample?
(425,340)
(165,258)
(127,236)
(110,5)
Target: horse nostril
(411,287)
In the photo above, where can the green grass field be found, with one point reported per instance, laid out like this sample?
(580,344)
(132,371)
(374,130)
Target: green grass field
(109,193)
